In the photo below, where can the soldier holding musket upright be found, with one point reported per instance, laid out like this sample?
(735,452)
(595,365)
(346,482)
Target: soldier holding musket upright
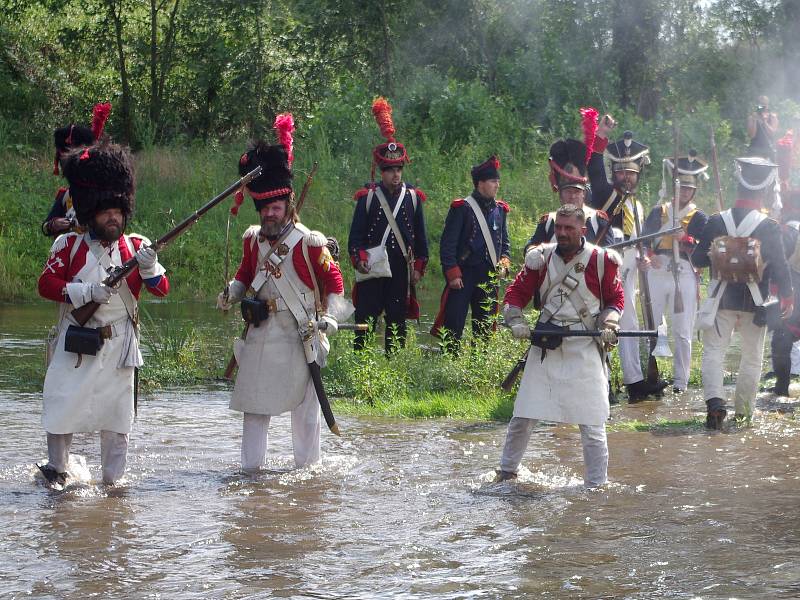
(744,248)
(294,302)
(568,160)
(90,382)
(614,171)
(660,259)
(388,245)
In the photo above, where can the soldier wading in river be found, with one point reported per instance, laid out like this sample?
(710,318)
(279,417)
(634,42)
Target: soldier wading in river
(579,288)
(295,303)
(90,380)
(744,249)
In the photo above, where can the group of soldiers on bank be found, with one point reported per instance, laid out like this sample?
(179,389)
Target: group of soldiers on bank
(291,289)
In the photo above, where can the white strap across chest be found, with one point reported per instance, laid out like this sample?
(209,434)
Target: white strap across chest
(391,218)
(125,294)
(487,237)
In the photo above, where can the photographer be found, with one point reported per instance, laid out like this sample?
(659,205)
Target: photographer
(761,127)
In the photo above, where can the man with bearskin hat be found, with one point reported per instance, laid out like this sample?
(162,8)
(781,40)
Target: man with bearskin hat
(568,160)
(388,245)
(61,217)
(659,261)
(614,171)
(744,247)
(291,294)
(85,392)
(474,250)
(579,288)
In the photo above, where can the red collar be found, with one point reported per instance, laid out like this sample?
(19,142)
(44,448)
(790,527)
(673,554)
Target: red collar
(750,204)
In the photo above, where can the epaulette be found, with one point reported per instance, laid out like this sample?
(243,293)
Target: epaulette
(534,258)
(251,231)
(544,217)
(363,191)
(504,205)
(614,256)
(61,191)
(139,236)
(457,202)
(602,214)
(315,239)
(61,242)
(420,194)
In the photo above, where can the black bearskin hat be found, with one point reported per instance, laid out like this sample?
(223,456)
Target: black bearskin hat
(275,181)
(100,177)
(568,164)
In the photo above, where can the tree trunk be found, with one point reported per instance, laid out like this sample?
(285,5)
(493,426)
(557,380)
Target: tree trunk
(115,12)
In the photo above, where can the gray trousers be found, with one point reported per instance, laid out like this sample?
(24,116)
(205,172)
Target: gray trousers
(113,453)
(593,439)
(305,435)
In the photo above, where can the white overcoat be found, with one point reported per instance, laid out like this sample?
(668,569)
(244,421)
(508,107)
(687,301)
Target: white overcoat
(571,384)
(98,394)
(273,373)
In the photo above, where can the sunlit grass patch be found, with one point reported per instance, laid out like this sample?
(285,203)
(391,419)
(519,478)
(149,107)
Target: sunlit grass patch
(660,425)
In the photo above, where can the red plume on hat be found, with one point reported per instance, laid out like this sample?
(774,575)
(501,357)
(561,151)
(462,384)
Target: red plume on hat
(382,111)
(589,125)
(284,127)
(100,114)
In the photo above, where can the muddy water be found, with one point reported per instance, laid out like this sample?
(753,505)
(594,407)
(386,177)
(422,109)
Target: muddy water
(401,509)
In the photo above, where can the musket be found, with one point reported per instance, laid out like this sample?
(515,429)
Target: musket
(227,258)
(677,301)
(83,313)
(306,186)
(647,304)
(645,238)
(715,163)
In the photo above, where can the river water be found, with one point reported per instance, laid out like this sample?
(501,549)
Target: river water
(397,508)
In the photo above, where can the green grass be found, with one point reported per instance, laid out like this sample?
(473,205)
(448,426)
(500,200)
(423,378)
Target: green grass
(660,425)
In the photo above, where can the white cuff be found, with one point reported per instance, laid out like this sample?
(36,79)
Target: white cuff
(79,293)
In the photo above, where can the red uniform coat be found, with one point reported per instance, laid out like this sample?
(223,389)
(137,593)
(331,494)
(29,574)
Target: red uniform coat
(326,271)
(59,270)
(528,281)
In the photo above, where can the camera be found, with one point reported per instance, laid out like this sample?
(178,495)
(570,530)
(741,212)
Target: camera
(760,108)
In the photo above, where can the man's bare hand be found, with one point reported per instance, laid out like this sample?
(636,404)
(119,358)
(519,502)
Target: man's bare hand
(362,267)
(456,284)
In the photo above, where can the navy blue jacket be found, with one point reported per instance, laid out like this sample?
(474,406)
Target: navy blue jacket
(768,232)
(463,245)
(366,230)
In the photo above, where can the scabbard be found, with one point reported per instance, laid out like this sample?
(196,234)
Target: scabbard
(324,404)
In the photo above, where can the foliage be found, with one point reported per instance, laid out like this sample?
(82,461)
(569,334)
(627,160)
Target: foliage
(180,71)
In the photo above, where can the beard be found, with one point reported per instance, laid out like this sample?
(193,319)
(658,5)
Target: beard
(272,229)
(109,232)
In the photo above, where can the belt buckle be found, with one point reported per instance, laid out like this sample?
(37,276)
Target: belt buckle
(272,305)
(105,332)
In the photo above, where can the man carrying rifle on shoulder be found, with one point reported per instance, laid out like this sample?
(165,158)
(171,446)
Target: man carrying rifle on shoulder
(89,384)
(295,303)
(579,289)
(614,171)
(660,259)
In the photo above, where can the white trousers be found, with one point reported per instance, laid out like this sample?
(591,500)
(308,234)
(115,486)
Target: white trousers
(629,356)
(113,453)
(716,341)
(593,439)
(662,296)
(305,434)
